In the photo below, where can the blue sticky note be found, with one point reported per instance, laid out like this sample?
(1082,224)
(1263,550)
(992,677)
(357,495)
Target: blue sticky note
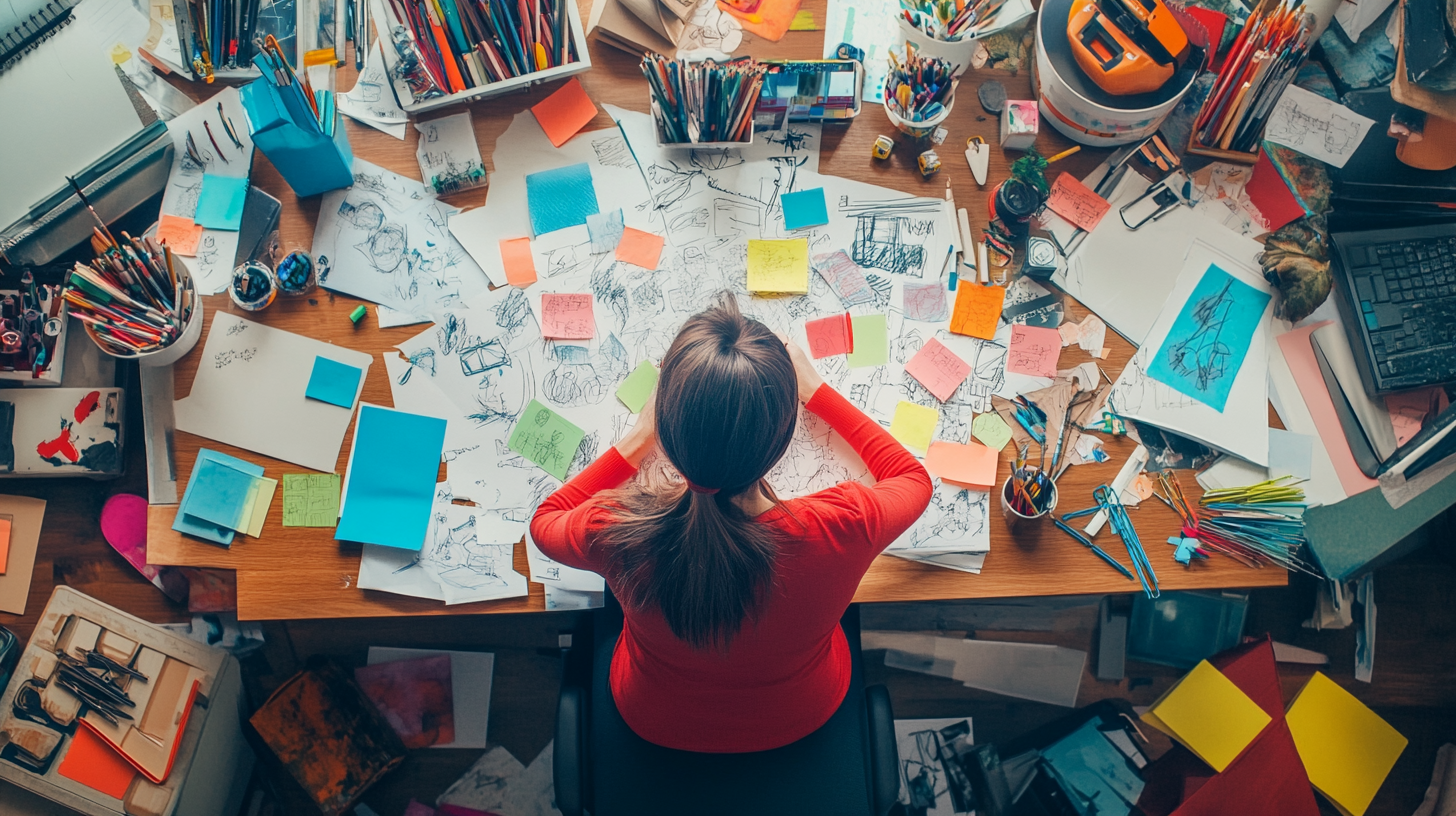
(193,526)
(333,382)
(1290,454)
(605,230)
(1206,346)
(220,203)
(805,208)
(560,198)
(391,481)
(219,494)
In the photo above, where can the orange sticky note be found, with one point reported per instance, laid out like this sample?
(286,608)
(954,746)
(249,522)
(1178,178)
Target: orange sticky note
(938,369)
(516,256)
(829,336)
(93,763)
(1075,201)
(1034,350)
(972,465)
(180,234)
(4,543)
(977,308)
(639,248)
(567,317)
(565,112)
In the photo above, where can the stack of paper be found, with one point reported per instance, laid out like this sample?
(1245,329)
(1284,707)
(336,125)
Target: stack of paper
(1209,715)
(1347,749)
(225,496)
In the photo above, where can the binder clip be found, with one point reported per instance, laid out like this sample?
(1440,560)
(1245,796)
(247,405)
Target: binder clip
(882,147)
(846,51)
(1109,503)
(1159,200)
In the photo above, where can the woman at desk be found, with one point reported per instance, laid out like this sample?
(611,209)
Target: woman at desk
(732,598)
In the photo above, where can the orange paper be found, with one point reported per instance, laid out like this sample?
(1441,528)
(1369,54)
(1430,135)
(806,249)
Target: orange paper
(516,256)
(96,765)
(938,369)
(977,308)
(972,465)
(1075,201)
(4,542)
(180,234)
(1034,351)
(770,19)
(567,317)
(829,336)
(565,112)
(639,248)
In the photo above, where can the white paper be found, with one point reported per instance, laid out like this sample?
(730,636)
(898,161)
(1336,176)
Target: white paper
(448,154)
(920,743)
(957,520)
(1315,126)
(371,100)
(1354,16)
(471,674)
(391,318)
(499,783)
(870,26)
(249,392)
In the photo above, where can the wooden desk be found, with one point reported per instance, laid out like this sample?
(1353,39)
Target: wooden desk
(292,573)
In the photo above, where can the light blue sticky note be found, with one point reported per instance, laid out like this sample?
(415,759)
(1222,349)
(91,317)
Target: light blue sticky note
(391,480)
(1206,346)
(605,230)
(1290,454)
(333,382)
(560,198)
(220,203)
(805,208)
(193,526)
(219,495)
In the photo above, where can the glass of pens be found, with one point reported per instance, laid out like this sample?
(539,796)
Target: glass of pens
(136,300)
(703,104)
(1028,495)
(919,92)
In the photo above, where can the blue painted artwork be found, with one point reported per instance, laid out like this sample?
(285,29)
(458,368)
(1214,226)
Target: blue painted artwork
(1206,346)
(560,198)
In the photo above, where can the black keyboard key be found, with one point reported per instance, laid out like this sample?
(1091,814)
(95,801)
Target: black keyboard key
(1364,288)
(1357,256)
(1381,293)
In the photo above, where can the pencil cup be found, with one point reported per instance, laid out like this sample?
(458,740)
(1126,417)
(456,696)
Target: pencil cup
(169,354)
(962,54)
(1015,518)
(923,129)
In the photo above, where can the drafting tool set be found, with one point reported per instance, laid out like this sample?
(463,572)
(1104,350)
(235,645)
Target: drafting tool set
(951,20)
(134,297)
(918,88)
(1109,503)
(703,102)
(1254,525)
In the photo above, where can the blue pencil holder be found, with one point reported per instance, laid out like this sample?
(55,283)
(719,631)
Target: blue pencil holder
(284,129)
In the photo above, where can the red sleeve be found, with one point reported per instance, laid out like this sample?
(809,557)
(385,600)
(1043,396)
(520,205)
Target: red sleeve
(561,522)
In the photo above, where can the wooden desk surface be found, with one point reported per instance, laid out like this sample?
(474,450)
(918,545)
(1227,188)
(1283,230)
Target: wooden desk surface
(292,573)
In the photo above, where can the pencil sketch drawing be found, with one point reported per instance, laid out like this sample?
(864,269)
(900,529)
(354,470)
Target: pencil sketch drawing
(1201,357)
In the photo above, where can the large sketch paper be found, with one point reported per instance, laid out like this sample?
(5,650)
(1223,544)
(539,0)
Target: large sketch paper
(1210,337)
(1315,126)
(250,375)
(955,521)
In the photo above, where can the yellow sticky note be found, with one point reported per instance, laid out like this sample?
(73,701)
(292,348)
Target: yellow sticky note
(991,430)
(262,499)
(914,425)
(779,266)
(1210,715)
(1346,748)
(803,21)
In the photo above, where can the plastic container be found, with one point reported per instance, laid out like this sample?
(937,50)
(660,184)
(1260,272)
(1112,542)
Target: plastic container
(253,286)
(961,54)
(1015,518)
(923,129)
(296,273)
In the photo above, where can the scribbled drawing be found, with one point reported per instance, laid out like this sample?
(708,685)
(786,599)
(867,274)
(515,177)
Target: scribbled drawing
(792,139)
(1206,345)
(882,242)
(1201,356)
(955,521)
(183,201)
(583,378)
(223,359)
(462,560)
(955,423)
(423,359)
(882,287)
(920,769)
(612,151)
(808,465)
(734,218)
(236,329)
(905,345)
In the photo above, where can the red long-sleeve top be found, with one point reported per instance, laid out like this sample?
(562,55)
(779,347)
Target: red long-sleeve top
(787,670)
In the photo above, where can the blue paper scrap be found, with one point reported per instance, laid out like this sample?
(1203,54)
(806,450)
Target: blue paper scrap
(220,203)
(560,198)
(193,526)
(1206,346)
(333,382)
(805,208)
(391,478)
(219,495)
(605,230)
(1089,763)
(1187,550)
(1290,454)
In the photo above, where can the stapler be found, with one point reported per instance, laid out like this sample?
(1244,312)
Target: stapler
(1127,47)
(1160,199)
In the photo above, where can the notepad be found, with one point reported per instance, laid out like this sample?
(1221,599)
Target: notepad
(871,341)
(634,391)
(991,430)
(977,310)
(193,526)
(220,495)
(778,266)
(805,208)
(516,258)
(546,438)
(829,336)
(565,112)
(1209,715)
(1347,749)
(972,465)
(390,484)
(567,316)
(220,202)
(938,369)
(639,248)
(605,231)
(914,425)
(333,382)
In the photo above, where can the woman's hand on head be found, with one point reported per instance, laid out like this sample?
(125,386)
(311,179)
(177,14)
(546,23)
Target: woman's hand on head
(809,379)
(641,438)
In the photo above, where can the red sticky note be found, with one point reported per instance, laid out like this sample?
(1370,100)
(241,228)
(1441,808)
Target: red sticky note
(1075,201)
(938,369)
(565,112)
(1271,196)
(639,248)
(93,763)
(972,465)
(829,336)
(180,234)
(1034,351)
(977,309)
(567,317)
(516,256)
(4,542)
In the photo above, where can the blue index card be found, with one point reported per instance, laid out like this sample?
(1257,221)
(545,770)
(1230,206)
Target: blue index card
(805,208)
(333,382)
(191,525)
(391,478)
(605,230)
(1206,346)
(560,198)
(220,495)
(1290,454)
(220,203)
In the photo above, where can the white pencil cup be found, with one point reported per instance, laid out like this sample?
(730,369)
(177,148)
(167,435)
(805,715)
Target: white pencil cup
(961,54)
(169,354)
(919,130)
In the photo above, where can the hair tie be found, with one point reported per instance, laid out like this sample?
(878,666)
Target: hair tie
(707,491)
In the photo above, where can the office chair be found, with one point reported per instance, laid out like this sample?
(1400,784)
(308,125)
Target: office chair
(849,766)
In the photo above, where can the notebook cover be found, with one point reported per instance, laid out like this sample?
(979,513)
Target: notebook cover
(176,740)
(96,764)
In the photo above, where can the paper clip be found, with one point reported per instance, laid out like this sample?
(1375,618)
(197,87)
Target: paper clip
(1108,501)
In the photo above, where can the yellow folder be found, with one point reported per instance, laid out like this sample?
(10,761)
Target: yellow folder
(1209,715)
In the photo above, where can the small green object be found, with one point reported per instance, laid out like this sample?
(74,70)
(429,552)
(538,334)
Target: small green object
(634,390)
(546,438)
(358,314)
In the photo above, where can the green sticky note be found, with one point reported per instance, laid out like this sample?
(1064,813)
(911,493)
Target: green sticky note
(991,430)
(546,438)
(803,21)
(310,499)
(871,341)
(634,390)
(914,425)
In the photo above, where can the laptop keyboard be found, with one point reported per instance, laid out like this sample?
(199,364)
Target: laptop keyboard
(1407,295)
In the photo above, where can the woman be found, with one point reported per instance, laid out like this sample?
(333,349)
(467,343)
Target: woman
(731,640)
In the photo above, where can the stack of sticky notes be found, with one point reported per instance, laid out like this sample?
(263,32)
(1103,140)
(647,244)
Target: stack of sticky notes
(225,496)
(1347,749)
(1208,715)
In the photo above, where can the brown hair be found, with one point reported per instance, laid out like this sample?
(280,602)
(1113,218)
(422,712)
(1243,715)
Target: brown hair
(727,403)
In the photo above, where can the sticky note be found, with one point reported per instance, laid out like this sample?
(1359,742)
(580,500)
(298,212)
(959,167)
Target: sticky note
(1209,715)
(193,526)
(220,202)
(605,231)
(803,21)
(1290,454)
(871,341)
(938,369)
(971,465)
(845,277)
(639,248)
(219,494)
(829,336)
(310,499)
(180,234)
(634,391)
(1347,749)
(805,208)
(977,309)
(1075,201)
(393,467)
(516,257)
(924,302)
(778,266)
(93,763)
(560,198)
(565,112)
(261,500)
(567,317)
(5,526)
(992,430)
(546,438)
(1034,351)
(333,382)
(914,425)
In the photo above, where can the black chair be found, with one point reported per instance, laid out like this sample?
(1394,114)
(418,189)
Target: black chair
(849,766)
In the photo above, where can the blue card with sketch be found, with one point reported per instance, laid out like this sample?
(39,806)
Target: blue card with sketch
(805,208)
(1206,346)
(560,198)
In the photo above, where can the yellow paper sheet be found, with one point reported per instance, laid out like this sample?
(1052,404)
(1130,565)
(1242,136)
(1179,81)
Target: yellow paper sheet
(1208,714)
(914,425)
(262,498)
(778,266)
(1347,749)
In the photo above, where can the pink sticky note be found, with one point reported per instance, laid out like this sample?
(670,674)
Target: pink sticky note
(972,465)
(639,248)
(179,234)
(829,336)
(938,369)
(1074,201)
(567,317)
(1034,351)
(1299,354)
(516,256)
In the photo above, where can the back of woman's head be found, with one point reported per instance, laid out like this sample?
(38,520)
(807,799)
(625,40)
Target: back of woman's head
(726,408)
